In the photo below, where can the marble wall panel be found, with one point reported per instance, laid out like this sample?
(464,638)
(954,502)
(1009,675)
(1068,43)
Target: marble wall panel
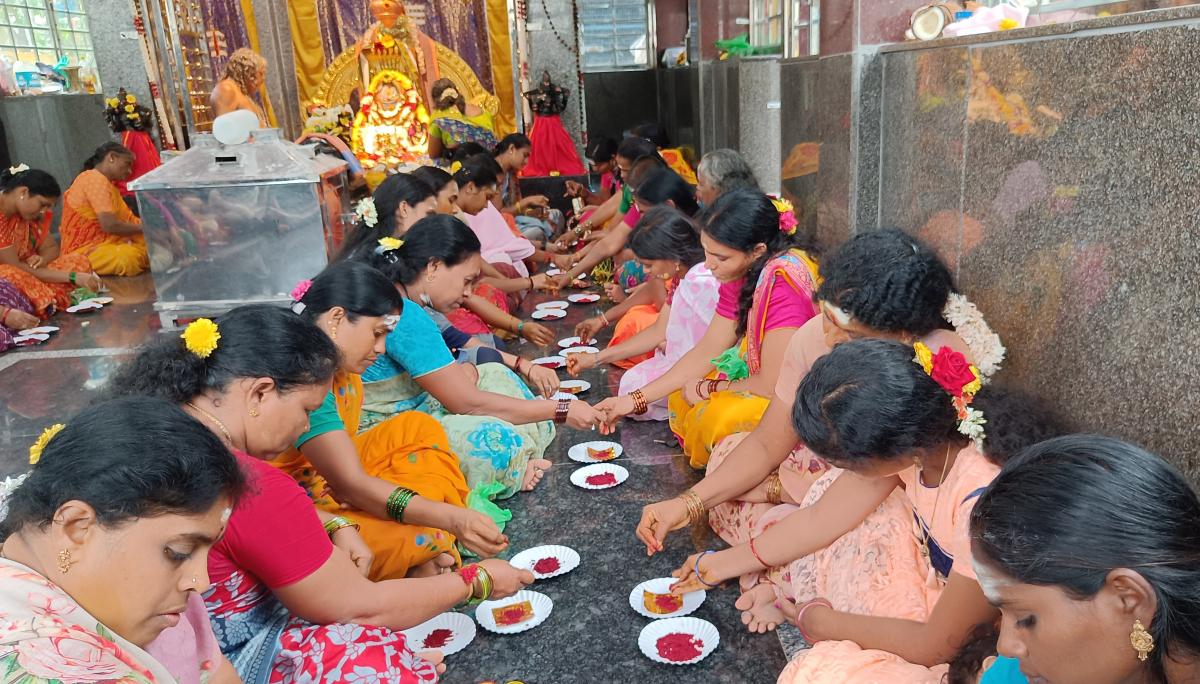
(839,28)
(921,154)
(866,136)
(758,116)
(834,117)
(1081,169)
(800,142)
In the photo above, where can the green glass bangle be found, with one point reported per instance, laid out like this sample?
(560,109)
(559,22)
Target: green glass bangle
(71,277)
(398,502)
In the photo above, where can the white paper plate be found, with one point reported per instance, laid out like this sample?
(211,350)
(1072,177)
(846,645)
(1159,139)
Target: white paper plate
(580,350)
(548,314)
(579,452)
(24,340)
(86,306)
(584,298)
(579,477)
(542,605)
(662,585)
(703,630)
(580,386)
(568,560)
(556,304)
(550,361)
(569,342)
(41,330)
(554,271)
(461,628)
(99,300)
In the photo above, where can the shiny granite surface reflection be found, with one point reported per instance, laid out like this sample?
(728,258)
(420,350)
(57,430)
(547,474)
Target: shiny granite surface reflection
(592,632)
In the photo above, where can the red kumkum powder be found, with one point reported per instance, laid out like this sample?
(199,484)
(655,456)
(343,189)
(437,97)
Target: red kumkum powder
(546,566)
(679,647)
(602,479)
(438,638)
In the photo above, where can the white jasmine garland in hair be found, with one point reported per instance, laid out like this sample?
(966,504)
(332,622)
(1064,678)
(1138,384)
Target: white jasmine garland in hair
(19,168)
(968,322)
(365,212)
(7,488)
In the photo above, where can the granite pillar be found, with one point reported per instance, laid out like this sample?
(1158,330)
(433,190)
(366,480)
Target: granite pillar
(758,108)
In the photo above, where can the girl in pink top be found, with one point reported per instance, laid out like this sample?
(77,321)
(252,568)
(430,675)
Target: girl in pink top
(874,566)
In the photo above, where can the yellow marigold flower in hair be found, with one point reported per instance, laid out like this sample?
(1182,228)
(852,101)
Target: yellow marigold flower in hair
(975,385)
(201,337)
(130,99)
(387,244)
(35,451)
(924,357)
(1007,24)
(129,109)
(112,102)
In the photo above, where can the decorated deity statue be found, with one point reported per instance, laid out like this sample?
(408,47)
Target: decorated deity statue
(394,34)
(392,125)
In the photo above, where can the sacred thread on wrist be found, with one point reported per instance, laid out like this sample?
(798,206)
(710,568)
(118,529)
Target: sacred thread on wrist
(398,501)
(757,557)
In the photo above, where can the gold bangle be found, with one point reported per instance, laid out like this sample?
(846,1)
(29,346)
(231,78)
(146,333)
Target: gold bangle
(774,489)
(695,506)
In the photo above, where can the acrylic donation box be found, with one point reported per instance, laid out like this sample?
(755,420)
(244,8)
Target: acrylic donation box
(234,224)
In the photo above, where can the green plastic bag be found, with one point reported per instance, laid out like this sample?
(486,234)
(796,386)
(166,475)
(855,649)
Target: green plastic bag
(480,499)
(740,46)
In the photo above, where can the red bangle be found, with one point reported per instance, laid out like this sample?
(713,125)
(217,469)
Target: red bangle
(561,411)
(757,557)
(712,386)
(800,617)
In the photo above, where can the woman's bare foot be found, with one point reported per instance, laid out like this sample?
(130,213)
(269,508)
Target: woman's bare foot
(438,565)
(434,658)
(533,473)
(759,613)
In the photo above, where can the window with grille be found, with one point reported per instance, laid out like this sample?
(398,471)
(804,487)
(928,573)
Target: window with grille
(615,35)
(43,30)
(766,22)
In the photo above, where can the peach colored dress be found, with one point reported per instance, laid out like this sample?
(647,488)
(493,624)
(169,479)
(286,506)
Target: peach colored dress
(881,569)
(733,520)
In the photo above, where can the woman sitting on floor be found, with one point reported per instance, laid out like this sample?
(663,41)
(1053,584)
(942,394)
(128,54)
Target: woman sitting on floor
(106,544)
(340,463)
(29,257)
(767,284)
(97,223)
(496,426)
(661,187)
(668,244)
(535,219)
(16,314)
(288,606)
(874,565)
(881,284)
(1089,547)
(455,121)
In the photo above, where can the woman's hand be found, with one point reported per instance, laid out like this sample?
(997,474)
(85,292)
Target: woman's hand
(660,519)
(689,581)
(581,416)
(538,201)
(349,540)
(89,280)
(586,331)
(615,292)
(35,261)
(478,532)
(15,319)
(575,189)
(614,409)
(506,579)
(563,261)
(578,363)
(537,334)
(691,391)
(434,658)
(544,380)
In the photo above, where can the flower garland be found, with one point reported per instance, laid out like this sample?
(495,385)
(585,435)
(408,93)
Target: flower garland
(365,212)
(951,370)
(35,451)
(787,215)
(297,295)
(201,337)
(970,325)
(124,113)
(18,169)
(388,244)
(7,488)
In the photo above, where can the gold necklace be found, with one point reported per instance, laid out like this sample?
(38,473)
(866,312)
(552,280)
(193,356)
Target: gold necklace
(923,538)
(206,414)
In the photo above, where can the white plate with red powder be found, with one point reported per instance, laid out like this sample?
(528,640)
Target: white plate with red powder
(679,641)
(661,587)
(539,604)
(599,476)
(547,561)
(448,633)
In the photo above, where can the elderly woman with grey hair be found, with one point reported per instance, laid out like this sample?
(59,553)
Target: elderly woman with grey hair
(721,171)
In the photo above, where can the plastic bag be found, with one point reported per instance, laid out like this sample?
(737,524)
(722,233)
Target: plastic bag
(740,47)
(480,499)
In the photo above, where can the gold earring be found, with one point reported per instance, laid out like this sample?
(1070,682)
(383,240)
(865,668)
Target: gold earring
(64,561)
(253,413)
(429,278)
(1141,640)
(333,331)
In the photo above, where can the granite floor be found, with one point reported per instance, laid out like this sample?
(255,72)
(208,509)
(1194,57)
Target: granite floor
(591,634)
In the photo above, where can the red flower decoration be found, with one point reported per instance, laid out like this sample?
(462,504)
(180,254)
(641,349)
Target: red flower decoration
(952,371)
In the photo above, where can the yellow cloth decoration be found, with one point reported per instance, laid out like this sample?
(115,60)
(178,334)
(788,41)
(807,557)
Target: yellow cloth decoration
(201,337)
(501,52)
(925,357)
(306,46)
(35,451)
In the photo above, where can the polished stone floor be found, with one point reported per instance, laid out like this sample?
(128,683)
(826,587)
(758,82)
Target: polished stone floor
(591,634)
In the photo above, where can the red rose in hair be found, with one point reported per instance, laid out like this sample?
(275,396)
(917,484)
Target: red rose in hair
(952,371)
